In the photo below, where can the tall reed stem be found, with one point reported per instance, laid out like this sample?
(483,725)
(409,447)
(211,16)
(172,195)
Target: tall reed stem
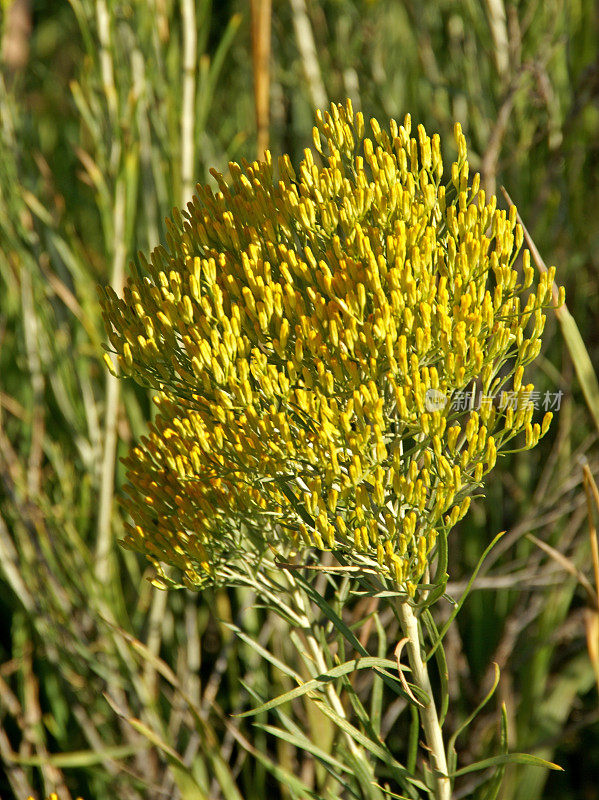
(428,712)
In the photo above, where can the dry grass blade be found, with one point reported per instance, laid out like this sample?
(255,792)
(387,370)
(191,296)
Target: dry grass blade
(567,564)
(309,56)
(591,621)
(190,48)
(397,653)
(592,491)
(576,347)
(592,614)
(261,23)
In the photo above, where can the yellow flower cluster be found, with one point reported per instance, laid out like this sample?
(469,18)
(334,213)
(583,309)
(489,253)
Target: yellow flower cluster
(53,796)
(306,335)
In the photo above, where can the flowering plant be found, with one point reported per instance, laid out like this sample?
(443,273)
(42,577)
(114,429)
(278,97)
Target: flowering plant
(306,335)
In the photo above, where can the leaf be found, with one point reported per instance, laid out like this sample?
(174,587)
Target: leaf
(332,616)
(475,713)
(224,776)
(494,784)
(264,653)
(316,683)
(390,680)
(78,758)
(433,633)
(462,599)
(186,783)
(303,743)
(295,731)
(209,72)
(376,696)
(377,749)
(507,758)
(550,715)
(441,577)
(391,794)
(361,713)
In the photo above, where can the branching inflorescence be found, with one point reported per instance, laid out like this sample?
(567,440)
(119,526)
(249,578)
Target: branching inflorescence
(307,336)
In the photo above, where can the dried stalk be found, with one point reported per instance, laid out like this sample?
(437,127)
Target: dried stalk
(261,19)
(307,48)
(190,47)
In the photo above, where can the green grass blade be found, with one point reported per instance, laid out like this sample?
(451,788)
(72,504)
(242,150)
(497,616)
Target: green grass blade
(81,758)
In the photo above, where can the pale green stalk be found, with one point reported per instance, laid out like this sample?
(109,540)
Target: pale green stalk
(119,255)
(333,697)
(104,537)
(428,711)
(307,48)
(188,112)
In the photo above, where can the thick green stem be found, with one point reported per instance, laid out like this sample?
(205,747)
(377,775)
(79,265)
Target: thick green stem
(428,712)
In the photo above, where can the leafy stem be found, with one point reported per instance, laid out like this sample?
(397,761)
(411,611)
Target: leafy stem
(427,708)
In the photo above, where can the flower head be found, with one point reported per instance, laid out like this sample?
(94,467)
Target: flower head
(307,336)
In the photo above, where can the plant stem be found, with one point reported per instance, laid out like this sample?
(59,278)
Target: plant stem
(188,116)
(309,55)
(104,539)
(303,606)
(428,712)
(261,23)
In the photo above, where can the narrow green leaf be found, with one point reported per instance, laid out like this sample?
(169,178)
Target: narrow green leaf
(186,783)
(476,712)
(440,579)
(316,683)
(40,211)
(391,794)
(583,365)
(223,774)
(303,743)
(155,739)
(209,72)
(294,730)
(78,758)
(413,738)
(131,178)
(493,786)
(333,617)
(509,758)
(462,599)
(433,633)
(377,749)
(376,697)
(262,651)
(284,777)
(361,714)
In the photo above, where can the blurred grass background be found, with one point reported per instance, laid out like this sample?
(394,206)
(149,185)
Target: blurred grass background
(109,113)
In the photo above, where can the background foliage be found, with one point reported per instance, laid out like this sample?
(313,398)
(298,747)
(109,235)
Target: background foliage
(109,687)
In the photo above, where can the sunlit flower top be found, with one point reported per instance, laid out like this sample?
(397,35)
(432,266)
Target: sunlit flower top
(52,796)
(307,335)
